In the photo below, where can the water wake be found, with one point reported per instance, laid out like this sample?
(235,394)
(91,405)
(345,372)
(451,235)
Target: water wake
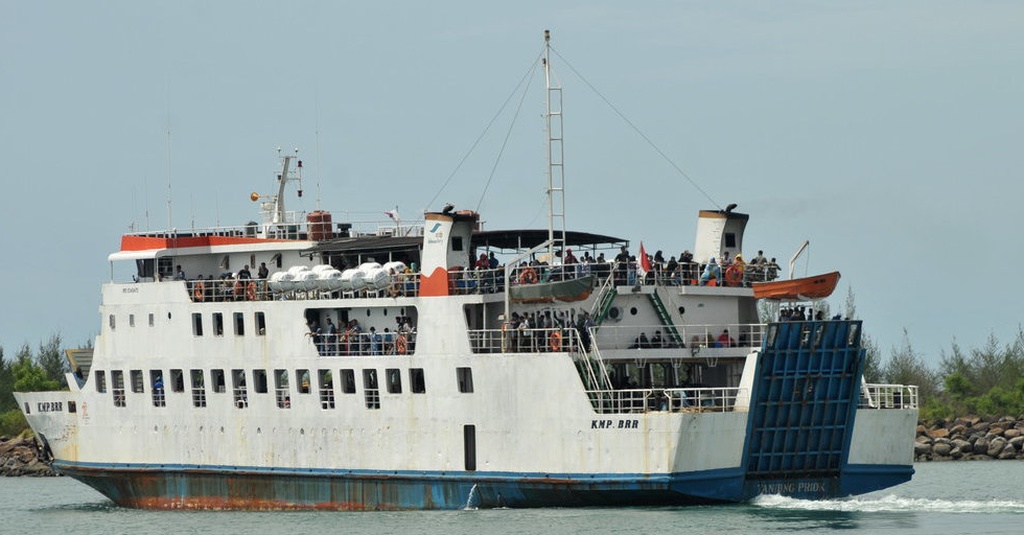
(891,503)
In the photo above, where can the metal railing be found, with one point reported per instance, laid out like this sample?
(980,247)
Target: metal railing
(294,225)
(460,282)
(886,396)
(694,337)
(512,340)
(364,343)
(714,399)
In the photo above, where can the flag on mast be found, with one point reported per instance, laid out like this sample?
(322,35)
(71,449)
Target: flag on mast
(644,263)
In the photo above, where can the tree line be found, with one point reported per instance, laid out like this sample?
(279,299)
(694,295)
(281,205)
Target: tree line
(29,371)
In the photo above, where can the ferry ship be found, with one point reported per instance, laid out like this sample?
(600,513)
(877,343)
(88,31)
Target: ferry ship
(300,363)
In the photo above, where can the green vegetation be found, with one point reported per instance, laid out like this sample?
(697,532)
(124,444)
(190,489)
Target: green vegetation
(29,372)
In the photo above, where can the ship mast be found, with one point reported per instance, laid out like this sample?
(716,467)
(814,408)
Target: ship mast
(556,155)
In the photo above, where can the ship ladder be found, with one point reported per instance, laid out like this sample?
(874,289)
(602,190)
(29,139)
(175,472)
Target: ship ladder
(666,320)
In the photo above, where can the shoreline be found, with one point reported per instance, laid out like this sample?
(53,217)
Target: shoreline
(21,457)
(970,438)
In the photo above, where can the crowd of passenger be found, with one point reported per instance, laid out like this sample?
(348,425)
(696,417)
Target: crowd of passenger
(352,339)
(229,286)
(627,270)
(545,331)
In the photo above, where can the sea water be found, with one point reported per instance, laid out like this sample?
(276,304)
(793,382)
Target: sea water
(954,497)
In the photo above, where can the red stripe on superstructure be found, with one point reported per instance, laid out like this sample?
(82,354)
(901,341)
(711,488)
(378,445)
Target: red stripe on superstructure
(145,243)
(434,284)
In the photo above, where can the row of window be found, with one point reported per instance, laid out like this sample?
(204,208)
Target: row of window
(237,321)
(322,381)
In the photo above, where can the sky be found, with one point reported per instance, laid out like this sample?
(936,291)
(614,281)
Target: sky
(888,134)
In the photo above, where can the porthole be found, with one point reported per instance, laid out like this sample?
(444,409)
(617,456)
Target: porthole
(682,310)
(632,311)
(367,313)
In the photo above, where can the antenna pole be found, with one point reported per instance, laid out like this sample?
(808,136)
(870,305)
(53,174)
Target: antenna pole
(556,154)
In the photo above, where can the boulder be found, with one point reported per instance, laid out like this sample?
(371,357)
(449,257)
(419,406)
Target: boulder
(942,448)
(963,445)
(1016,442)
(1008,453)
(996,431)
(995,446)
(938,433)
(921,448)
(1012,433)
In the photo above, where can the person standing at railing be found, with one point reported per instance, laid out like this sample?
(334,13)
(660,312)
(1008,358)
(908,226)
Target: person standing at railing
(375,340)
(687,268)
(331,334)
(263,272)
(179,274)
(712,272)
(672,272)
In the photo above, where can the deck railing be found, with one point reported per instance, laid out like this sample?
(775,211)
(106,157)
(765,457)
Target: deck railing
(694,337)
(714,399)
(460,282)
(509,340)
(364,343)
(886,396)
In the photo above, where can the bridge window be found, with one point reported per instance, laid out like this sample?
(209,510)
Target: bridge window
(394,380)
(198,388)
(261,324)
(117,383)
(239,392)
(177,381)
(464,376)
(156,383)
(218,324)
(239,321)
(137,385)
(419,386)
(302,379)
(197,324)
(131,320)
(326,382)
(219,385)
(101,381)
(112,322)
(281,391)
(152,319)
(371,390)
(259,381)
(348,382)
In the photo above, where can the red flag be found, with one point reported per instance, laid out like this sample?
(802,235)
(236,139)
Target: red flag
(645,263)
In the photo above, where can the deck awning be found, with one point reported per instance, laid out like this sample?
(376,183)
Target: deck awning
(529,238)
(147,254)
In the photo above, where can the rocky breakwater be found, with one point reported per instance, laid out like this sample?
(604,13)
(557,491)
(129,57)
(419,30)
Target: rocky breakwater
(970,438)
(21,456)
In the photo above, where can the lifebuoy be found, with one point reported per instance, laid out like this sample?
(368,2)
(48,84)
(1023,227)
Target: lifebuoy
(250,291)
(555,341)
(528,276)
(238,289)
(401,346)
(199,291)
(733,276)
